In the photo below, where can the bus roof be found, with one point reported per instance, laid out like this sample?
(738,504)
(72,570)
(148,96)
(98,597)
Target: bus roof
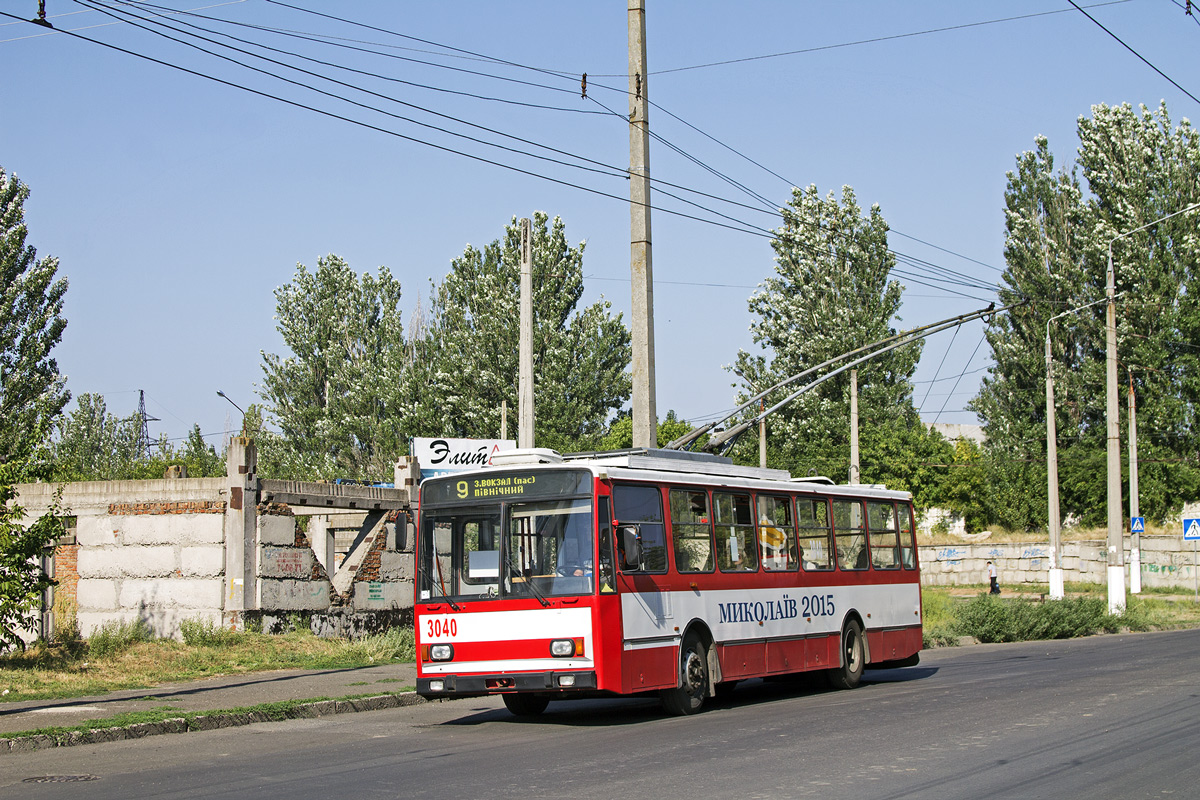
(681,466)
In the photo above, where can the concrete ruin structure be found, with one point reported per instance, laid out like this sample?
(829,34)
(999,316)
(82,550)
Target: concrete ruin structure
(240,549)
(231,551)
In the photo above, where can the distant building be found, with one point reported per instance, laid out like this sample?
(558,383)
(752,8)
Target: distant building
(954,432)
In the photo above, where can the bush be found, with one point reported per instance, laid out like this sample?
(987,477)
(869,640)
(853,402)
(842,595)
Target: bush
(205,633)
(114,638)
(989,619)
(938,620)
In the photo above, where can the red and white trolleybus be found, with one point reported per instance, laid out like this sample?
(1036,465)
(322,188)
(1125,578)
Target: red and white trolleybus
(547,577)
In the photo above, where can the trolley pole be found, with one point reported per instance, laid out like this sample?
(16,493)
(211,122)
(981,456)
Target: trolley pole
(645,417)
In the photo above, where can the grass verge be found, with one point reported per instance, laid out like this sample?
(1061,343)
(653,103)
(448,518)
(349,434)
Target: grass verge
(126,660)
(950,613)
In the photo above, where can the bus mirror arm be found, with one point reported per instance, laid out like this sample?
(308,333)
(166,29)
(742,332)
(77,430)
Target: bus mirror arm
(631,543)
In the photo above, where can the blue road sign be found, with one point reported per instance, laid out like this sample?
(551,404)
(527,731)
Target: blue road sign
(1137,525)
(1191,529)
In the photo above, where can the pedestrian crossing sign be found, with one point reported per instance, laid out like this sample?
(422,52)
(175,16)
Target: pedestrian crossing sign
(1138,525)
(1191,529)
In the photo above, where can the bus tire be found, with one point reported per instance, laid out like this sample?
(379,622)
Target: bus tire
(688,696)
(525,705)
(854,658)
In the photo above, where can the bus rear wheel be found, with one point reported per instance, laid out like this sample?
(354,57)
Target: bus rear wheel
(688,696)
(854,658)
(525,705)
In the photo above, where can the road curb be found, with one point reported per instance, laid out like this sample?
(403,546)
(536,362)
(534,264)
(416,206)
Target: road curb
(206,722)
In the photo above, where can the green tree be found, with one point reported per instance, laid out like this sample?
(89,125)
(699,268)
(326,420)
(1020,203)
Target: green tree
(22,579)
(336,397)
(465,361)
(620,432)
(1047,229)
(201,458)
(95,445)
(965,487)
(831,293)
(32,392)
(1138,168)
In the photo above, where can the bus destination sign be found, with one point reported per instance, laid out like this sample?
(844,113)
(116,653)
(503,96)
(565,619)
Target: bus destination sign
(496,486)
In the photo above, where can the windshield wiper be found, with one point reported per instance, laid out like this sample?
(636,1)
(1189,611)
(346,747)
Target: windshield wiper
(442,586)
(532,589)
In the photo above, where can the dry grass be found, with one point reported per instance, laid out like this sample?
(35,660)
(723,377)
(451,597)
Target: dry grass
(66,670)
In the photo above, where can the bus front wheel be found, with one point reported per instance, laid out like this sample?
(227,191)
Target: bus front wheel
(854,658)
(525,705)
(688,696)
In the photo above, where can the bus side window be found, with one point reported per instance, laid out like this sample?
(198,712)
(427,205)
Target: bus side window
(606,575)
(848,534)
(642,505)
(691,530)
(776,534)
(881,522)
(734,526)
(812,514)
(908,548)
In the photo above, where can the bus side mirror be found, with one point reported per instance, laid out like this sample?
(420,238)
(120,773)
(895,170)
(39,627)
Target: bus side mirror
(631,546)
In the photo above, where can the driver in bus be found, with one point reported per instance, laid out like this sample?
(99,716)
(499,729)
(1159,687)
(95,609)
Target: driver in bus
(569,562)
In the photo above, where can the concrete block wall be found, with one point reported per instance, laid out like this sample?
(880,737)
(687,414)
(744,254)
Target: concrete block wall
(158,561)
(289,577)
(1167,561)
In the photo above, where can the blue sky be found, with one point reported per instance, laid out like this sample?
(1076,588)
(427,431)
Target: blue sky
(177,204)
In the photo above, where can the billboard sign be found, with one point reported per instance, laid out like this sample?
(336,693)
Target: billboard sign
(446,456)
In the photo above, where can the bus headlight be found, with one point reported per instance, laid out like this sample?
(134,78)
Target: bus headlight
(441,652)
(562,648)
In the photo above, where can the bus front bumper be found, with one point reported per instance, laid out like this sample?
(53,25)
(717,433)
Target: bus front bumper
(476,685)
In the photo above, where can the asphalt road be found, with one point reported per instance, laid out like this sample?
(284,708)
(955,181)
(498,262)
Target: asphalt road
(1105,717)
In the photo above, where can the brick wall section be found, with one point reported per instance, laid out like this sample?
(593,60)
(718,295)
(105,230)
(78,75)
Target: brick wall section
(179,507)
(368,570)
(66,593)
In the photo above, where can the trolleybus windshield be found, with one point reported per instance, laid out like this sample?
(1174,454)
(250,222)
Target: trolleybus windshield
(517,545)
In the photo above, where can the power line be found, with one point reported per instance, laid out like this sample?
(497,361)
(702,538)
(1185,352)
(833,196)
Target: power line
(613,171)
(737,224)
(336,42)
(874,40)
(1135,52)
(982,339)
(396,134)
(773,207)
(963,279)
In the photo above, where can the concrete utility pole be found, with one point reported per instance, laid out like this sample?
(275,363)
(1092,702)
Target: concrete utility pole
(525,344)
(645,416)
(1135,538)
(1057,589)
(1116,547)
(855,472)
(1054,513)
